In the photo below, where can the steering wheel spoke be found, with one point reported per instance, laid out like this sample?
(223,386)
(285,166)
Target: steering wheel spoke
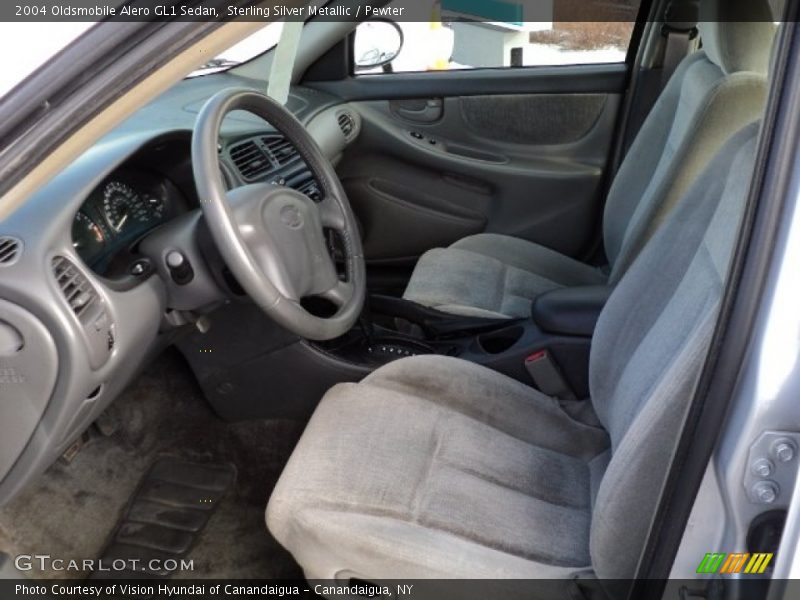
(331,212)
(340,294)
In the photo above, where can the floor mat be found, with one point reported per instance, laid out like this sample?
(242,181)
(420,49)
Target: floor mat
(172,505)
(72,509)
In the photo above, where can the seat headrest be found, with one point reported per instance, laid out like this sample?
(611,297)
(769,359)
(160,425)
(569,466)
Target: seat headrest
(737,35)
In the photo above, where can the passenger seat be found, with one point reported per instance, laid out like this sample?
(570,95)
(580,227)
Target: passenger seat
(713,93)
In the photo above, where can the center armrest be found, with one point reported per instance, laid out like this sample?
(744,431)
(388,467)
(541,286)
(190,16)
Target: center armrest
(571,310)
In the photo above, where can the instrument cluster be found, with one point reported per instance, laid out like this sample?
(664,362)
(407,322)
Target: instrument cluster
(117,214)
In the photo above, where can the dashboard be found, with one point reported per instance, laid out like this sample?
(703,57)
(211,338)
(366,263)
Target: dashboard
(84,275)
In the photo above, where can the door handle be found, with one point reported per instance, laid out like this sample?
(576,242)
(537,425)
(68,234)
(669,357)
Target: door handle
(422,110)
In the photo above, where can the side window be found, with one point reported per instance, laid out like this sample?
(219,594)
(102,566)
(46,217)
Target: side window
(464,34)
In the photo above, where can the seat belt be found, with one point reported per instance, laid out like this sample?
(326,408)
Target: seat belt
(680,31)
(678,20)
(547,377)
(680,43)
(280,77)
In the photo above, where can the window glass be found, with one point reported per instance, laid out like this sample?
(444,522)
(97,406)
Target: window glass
(253,45)
(28,46)
(465,34)
(32,44)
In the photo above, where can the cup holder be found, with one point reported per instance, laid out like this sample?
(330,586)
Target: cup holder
(497,342)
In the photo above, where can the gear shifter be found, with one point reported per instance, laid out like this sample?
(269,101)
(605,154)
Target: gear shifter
(366,324)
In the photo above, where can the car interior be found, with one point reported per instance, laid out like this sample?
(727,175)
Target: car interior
(404,325)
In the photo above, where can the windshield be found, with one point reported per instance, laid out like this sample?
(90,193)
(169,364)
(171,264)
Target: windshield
(34,44)
(250,47)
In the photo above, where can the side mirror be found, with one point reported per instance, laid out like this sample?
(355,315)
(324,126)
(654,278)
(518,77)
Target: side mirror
(377,43)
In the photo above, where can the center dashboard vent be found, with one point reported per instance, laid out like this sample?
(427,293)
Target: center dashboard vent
(258,157)
(250,159)
(10,250)
(280,149)
(76,289)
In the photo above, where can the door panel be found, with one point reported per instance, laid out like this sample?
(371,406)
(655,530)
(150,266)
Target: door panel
(403,215)
(523,164)
(453,160)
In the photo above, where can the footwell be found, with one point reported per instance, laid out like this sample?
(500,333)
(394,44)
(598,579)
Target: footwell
(74,509)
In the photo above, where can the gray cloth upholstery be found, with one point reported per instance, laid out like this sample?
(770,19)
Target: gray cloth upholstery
(713,94)
(417,458)
(493,276)
(669,153)
(731,32)
(649,347)
(436,467)
(532,119)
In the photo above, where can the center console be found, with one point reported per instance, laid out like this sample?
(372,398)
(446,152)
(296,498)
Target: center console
(249,367)
(553,343)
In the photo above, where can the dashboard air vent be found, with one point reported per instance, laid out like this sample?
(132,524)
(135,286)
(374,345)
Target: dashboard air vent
(10,250)
(250,159)
(280,149)
(78,292)
(258,157)
(347,124)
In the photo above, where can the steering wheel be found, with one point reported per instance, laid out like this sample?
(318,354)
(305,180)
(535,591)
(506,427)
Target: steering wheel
(271,236)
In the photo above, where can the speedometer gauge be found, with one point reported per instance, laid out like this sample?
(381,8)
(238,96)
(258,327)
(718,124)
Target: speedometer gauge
(124,207)
(121,205)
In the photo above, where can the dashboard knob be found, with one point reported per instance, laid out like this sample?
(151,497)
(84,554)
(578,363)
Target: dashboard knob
(180,269)
(175,259)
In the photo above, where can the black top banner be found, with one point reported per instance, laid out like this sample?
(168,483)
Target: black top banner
(498,11)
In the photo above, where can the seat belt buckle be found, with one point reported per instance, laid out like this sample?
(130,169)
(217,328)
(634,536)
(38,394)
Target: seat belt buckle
(547,377)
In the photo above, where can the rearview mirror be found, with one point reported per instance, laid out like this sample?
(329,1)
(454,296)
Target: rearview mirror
(377,43)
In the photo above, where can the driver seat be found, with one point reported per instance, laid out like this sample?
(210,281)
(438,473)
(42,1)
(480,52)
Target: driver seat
(434,467)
